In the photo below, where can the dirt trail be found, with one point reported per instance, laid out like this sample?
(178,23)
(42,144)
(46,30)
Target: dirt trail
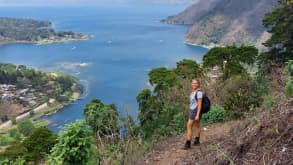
(170,152)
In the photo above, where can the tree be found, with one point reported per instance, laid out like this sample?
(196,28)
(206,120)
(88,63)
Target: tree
(75,145)
(65,81)
(230,59)
(280,24)
(13,152)
(144,102)
(162,78)
(39,144)
(102,118)
(188,69)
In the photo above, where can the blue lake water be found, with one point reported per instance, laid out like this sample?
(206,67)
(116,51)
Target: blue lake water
(113,66)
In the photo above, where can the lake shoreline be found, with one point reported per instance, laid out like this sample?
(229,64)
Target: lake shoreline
(40,111)
(48,41)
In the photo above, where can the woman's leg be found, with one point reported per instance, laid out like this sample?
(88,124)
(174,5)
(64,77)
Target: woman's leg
(197,128)
(189,129)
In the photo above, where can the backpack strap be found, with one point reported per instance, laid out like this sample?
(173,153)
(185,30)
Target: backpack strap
(196,94)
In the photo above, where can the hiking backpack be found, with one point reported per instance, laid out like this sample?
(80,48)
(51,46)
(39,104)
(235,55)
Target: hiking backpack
(206,103)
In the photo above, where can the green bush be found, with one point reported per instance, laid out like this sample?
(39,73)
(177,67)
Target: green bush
(238,93)
(18,161)
(165,121)
(179,122)
(268,102)
(25,127)
(14,133)
(39,144)
(237,105)
(289,68)
(33,148)
(13,120)
(5,140)
(230,95)
(289,83)
(62,99)
(110,154)
(216,114)
(75,145)
(289,88)
(259,85)
(13,152)
(103,118)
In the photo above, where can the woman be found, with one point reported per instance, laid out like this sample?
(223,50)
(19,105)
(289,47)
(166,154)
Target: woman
(194,114)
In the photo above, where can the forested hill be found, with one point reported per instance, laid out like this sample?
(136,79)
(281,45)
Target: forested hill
(34,31)
(224,22)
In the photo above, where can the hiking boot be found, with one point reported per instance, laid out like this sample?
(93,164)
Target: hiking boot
(187,145)
(196,141)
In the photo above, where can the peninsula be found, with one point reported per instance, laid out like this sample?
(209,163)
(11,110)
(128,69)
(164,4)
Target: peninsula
(19,30)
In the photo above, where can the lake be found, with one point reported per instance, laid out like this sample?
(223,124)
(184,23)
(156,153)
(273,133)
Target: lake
(113,66)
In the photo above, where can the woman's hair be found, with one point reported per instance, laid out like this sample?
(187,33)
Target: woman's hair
(196,81)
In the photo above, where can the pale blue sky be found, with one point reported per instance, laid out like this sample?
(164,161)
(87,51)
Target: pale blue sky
(85,2)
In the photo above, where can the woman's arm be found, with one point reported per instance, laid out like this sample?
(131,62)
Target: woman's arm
(199,105)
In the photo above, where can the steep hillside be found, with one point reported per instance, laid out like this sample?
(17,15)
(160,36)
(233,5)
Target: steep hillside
(224,22)
(265,138)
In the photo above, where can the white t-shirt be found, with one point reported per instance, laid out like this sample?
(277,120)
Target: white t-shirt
(193,102)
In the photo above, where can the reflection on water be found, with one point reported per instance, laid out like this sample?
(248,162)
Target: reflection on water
(73,65)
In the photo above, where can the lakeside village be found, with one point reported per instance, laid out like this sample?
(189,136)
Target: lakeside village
(27,96)
(19,101)
(24,90)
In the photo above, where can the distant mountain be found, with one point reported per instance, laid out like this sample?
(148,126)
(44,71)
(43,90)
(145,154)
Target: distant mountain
(223,22)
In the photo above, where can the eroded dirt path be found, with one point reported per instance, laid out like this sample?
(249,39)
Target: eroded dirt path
(170,152)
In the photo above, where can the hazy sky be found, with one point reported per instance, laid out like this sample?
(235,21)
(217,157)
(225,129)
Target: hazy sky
(85,2)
